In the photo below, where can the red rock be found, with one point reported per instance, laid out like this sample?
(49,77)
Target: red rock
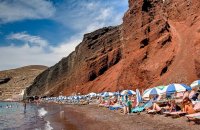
(157,44)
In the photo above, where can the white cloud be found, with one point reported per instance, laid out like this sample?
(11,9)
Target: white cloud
(16,56)
(32,40)
(90,17)
(99,13)
(65,48)
(15,10)
(104,14)
(91,6)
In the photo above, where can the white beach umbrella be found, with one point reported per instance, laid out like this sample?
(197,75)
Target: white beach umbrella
(195,84)
(98,94)
(92,94)
(159,90)
(172,88)
(128,92)
(106,94)
(138,97)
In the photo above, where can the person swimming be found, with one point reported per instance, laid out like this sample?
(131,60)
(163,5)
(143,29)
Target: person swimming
(7,106)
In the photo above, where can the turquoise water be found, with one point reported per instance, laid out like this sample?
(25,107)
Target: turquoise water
(13,116)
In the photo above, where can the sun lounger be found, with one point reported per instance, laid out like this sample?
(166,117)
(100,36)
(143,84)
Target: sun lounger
(152,112)
(84,103)
(175,114)
(142,108)
(116,107)
(197,106)
(167,113)
(156,111)
(197,119)
(103,105)
(192,116)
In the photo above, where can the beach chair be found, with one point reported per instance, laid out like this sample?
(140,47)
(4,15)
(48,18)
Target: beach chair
(83,102)
(115,107)
(104,105)
(152,112)
(193,116)
(142,108)
(197,106)
(197,119)
(176,114)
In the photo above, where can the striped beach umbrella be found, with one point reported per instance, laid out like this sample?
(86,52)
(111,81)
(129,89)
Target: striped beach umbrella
(153,91)
(138,97)
(173,88)
(92,94)
(128,92)
(195,84)
(99,94)
(116,93)
(107,94)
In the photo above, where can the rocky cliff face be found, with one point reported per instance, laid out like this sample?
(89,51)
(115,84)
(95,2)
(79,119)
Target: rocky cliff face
(97,53)
(13,82)
(158,43)
(161,42)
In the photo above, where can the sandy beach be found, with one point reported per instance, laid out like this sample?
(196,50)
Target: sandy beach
(91,117)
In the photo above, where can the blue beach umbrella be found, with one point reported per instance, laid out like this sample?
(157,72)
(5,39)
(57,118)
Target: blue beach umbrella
(138,97)
(195,84)
(153,91)
(92,94)
(107,94)
(116,93)
(173,88)
(98,94)
(128,92)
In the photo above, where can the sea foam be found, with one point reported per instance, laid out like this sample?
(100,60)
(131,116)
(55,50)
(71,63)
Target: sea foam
(48,126)
(42,112)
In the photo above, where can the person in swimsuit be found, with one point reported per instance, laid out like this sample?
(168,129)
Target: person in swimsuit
(188,106)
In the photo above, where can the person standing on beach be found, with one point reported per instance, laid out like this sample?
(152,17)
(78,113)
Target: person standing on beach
(24,106)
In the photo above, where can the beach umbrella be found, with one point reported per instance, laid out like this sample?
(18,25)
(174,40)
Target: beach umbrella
(117,93)
(159,90)
(173,88)
(195,84)
(70,98)
(99,94)
(106,94)
(128,92)
(138,97)
(92,94)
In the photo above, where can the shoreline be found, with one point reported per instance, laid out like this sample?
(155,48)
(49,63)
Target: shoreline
(88,117)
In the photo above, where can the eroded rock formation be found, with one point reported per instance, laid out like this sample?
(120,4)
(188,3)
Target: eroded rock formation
(157,43)
(13,82)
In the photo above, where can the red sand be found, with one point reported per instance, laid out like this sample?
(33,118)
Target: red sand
(90,117)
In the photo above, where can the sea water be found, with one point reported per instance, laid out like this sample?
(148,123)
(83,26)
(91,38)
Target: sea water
(14,116)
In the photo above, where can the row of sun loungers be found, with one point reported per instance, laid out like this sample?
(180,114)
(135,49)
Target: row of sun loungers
(191,117)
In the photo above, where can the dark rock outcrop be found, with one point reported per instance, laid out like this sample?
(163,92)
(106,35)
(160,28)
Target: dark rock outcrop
(4,80)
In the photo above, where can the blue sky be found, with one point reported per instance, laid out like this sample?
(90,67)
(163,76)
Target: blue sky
(41,32)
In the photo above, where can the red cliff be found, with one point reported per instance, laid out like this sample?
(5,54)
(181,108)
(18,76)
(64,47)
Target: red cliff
(157,43)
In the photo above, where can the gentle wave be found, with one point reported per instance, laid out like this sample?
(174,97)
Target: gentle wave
(19,117)
(42,112)
(48,126)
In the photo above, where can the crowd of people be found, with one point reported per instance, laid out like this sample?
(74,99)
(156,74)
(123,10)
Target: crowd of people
(129,102)
(176,103)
